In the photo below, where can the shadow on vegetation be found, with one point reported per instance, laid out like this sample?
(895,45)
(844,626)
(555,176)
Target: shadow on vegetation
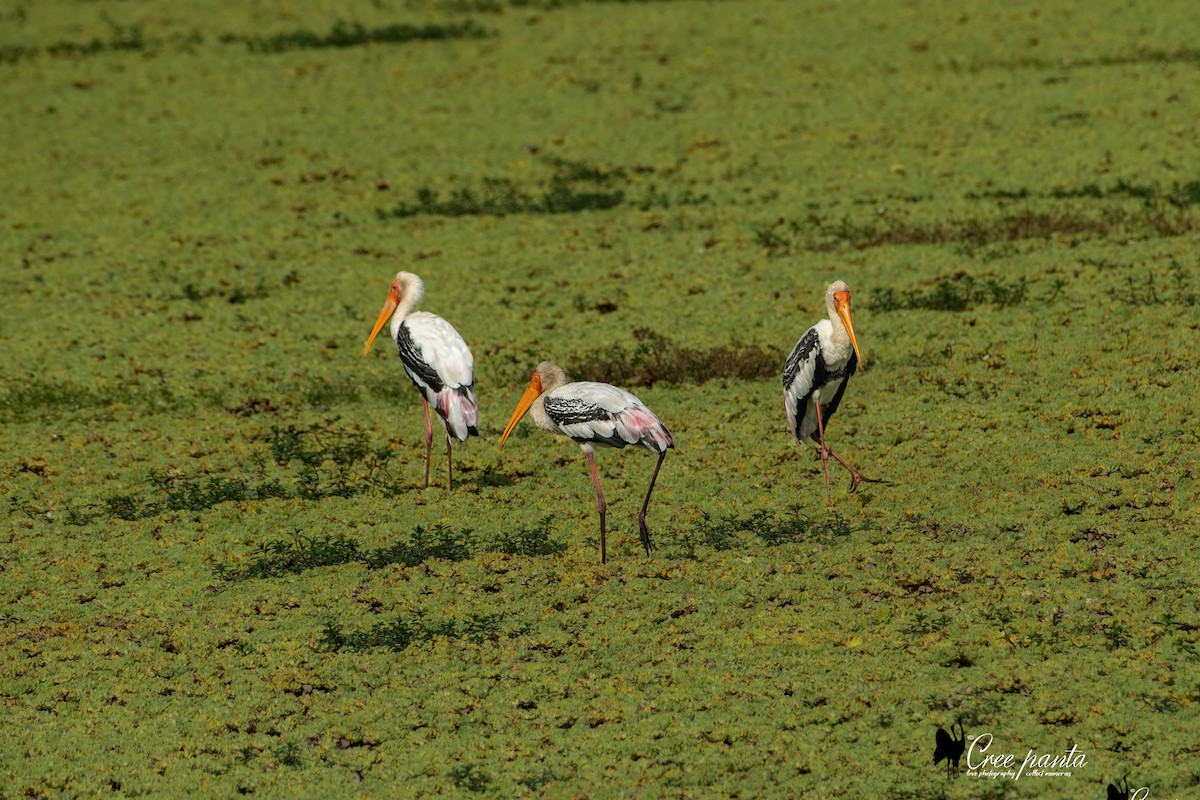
(961,292)
(573,187)
(37,399)
(497,6)
(343,34)
(132,39)
(470,777)
(122,38)
(301,553)
(787,237)
(232,294)
(1164,212)
(399,633)
(355,34)
(772,528)
(1149,55)
(658,359)
(1179,195)
(323,461)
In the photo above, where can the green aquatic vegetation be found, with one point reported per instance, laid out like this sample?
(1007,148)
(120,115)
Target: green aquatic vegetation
(287,754)
(1138,55)
(401,632)
(322,460)
(961,292)
(121,38)
(1165,212)
(530,540)
(355,34)
(331,461)
(12,53)
(35,398)
(470,777)
(1153,290)
(820,234)
(1180,194)
(602,189)
(199,495)
(234,293)
(659,359)
(290,556)
(500,196)
(300,553)
(204,475)
(472,6)
(772,528)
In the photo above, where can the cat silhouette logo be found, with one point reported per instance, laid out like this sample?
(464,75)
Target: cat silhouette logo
(1118,792)
(949,748)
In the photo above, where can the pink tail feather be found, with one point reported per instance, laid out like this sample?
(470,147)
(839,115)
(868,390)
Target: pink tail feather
(459,411)
(645,429)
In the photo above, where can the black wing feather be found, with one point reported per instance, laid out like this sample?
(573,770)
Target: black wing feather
(944,746)
(572,410)
(800,353)
(804,349)
(410,356)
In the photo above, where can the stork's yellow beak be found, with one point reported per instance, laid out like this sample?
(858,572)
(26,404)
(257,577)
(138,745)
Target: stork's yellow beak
(532,392)
(389,308)
(842,305)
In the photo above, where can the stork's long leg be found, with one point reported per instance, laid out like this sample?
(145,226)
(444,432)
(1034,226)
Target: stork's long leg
(601,507)
(428,439)
(449,464)
(856,477)
(642,529)
(825,451)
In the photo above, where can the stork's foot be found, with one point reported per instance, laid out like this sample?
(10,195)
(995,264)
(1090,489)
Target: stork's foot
(644,532)
(857,477)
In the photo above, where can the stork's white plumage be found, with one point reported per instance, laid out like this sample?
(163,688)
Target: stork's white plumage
(815,377)
(436,359)
(593,414)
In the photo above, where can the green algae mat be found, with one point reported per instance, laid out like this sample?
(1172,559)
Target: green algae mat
(219,575)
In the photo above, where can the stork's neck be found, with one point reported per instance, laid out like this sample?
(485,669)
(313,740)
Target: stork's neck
(838,331)
(540,417)
(838,334)
(410,298)
(552,377)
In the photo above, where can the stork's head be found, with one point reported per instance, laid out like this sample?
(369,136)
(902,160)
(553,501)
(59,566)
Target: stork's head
(404,295)
(546,378)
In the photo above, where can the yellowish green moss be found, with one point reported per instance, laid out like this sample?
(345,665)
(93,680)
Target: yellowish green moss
(196,232)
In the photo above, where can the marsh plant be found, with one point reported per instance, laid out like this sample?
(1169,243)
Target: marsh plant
(300,553)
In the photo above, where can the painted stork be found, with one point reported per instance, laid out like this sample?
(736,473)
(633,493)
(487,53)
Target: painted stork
(436,359)
(815,377)
(593,414)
